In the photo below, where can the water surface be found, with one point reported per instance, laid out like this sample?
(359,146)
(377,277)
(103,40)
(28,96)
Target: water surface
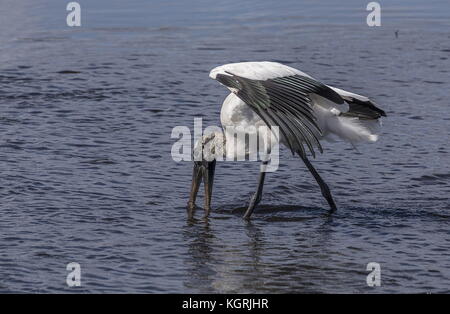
(86,174)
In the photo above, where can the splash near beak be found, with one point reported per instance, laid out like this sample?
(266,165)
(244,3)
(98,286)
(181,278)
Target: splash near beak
(203,170)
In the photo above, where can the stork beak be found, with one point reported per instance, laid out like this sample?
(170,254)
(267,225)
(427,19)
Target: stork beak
(202,170)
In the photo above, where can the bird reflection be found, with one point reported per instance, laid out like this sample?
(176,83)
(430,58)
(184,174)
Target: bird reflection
(227,264)
(200,258)
(225,255)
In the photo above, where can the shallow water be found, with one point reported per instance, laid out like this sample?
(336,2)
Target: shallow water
(86,173)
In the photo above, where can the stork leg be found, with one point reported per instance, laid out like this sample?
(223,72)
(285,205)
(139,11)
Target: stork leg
(323,186)
(256,198)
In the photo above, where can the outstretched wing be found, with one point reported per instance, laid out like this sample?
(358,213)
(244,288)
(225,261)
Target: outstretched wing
(283,101)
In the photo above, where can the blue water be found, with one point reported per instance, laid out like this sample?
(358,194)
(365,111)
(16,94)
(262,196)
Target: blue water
(86,116)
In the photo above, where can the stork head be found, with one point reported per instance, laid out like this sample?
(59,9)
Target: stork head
(207,150)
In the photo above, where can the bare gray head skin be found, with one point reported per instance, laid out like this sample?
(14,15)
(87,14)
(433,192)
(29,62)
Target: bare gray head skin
(205,151)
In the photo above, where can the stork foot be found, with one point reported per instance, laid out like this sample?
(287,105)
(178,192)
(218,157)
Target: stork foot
(327,195)
(258,194)
(191,207)
(323,186)
(254,201)
(207,211)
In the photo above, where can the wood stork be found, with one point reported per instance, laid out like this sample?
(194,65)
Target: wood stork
(304,109)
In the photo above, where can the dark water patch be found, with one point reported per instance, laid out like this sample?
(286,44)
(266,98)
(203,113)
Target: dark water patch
(68,72)
(433,177)
(100,161)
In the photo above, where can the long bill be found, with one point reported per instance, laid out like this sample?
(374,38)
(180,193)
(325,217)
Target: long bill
(202,170)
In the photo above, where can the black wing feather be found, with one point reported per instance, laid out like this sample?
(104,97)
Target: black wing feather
(366,110)
(284,102)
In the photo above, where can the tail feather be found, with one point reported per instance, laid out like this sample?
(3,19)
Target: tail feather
(359,122)
(350,129)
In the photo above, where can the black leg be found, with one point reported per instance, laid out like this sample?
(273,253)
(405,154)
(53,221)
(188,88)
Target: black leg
(323,186)
(256,198)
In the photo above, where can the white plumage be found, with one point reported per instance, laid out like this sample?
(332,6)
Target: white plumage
(256,70)
(305,110)
(236,112)
(349,129)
